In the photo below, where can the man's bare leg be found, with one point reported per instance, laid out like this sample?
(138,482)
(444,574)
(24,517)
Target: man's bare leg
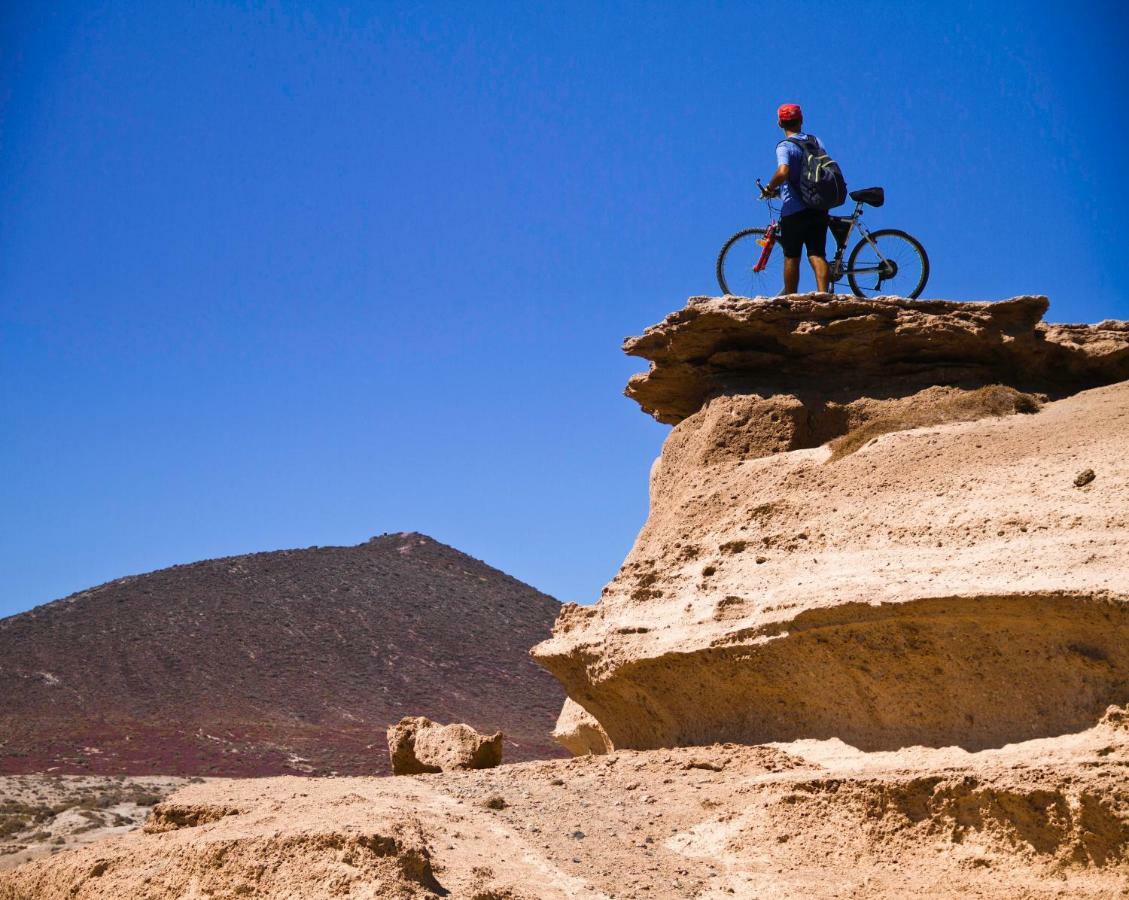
(819,266)
(791,275)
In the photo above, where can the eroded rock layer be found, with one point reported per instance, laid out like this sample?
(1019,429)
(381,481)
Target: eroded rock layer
(579,733)
(833,351)
(853,534)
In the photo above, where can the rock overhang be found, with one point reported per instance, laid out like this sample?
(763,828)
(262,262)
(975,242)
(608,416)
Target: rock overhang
(977,671)
(839,346)
(751,530)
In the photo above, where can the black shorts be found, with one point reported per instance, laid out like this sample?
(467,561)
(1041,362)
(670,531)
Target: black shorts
(807,228)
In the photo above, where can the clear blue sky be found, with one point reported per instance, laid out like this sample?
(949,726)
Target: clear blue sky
(276,275)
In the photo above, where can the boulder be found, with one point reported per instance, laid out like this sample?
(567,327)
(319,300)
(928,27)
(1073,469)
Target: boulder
(418,746)
(579,733)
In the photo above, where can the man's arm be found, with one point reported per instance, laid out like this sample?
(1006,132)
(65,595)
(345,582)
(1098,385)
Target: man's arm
(783,154)
(778,178)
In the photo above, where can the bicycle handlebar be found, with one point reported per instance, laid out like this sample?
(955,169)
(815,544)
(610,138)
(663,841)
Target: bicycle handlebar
(765,196)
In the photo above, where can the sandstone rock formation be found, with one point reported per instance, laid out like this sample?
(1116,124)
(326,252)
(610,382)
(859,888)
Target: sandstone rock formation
(832,352)
(934,577)
(222,850)
(416,745)
(579,733)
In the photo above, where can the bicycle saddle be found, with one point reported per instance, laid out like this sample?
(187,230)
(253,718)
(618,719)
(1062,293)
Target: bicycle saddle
(874,196)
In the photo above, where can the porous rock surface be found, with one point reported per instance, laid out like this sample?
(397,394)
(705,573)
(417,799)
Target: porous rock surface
(915,637)
(836,350)
(417,745)
(579,732)
(939,585)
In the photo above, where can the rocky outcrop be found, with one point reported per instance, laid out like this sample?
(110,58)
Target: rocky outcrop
(852,536)
(417,745)
(171,816)
(579,733)
(847,568)
(835,352)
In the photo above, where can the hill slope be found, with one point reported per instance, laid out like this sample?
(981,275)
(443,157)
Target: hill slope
(291,661)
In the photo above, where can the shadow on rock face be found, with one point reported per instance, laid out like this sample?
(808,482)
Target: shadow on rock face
(975,672)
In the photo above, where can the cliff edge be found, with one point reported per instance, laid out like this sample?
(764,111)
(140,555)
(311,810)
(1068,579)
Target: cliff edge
(832,353)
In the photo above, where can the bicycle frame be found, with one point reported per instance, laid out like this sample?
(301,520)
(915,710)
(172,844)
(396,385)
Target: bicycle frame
(836,272)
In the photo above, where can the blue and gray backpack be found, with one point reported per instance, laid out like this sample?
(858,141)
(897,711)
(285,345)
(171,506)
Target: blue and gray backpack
(822,185)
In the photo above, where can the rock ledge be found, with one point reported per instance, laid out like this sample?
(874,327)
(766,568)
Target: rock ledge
(846,347)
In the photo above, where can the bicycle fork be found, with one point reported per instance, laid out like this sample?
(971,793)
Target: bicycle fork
(767,243)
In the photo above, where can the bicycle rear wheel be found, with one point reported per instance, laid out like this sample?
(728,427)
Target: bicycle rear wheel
(902,269)
(735,264)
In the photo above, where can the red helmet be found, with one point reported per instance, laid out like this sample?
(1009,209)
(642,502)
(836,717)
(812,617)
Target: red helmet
(790,112)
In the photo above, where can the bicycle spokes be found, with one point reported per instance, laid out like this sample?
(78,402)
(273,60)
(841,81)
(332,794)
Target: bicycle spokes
(750,264)
(887,262)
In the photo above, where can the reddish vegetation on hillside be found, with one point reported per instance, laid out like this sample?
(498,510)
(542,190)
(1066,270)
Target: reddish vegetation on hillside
(284,662)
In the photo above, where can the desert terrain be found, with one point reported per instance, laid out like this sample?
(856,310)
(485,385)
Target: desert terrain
(1043,819)
(43,814)
(872,641)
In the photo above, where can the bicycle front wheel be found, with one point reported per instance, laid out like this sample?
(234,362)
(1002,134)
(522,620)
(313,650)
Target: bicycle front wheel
(739,257)
(891,262)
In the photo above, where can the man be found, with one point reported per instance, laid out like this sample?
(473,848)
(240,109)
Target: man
(800,225)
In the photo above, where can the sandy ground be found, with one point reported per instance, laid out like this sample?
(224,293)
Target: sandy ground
(43,814)
(1046,818)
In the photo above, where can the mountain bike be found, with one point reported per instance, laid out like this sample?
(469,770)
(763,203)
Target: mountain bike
(888,261)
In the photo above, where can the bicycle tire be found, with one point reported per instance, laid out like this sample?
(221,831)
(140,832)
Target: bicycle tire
(723,282)
(897,234)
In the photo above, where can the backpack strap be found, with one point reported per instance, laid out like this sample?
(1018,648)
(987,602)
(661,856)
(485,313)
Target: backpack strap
(810,143)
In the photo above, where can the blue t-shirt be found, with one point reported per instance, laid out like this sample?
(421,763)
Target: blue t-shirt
(791,155)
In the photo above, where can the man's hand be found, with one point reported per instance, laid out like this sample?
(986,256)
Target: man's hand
(767,192)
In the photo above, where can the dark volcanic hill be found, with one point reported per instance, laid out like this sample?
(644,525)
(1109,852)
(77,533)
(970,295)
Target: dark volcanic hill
(292,661)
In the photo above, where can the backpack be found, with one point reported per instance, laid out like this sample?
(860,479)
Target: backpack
(822,185)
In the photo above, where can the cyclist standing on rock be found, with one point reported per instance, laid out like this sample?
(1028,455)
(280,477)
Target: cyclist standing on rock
(800,225)
(884,263)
